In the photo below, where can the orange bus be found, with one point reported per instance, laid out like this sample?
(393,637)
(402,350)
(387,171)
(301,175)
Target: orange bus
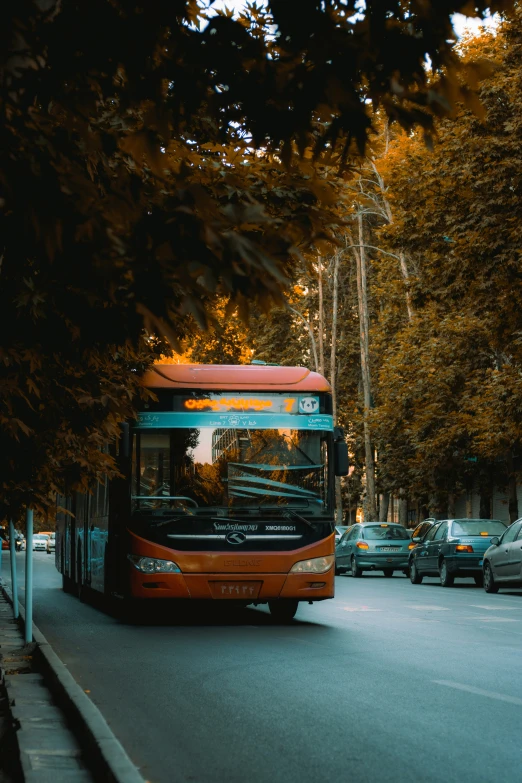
(227,495)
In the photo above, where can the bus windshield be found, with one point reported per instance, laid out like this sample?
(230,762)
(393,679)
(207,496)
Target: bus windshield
(191,468)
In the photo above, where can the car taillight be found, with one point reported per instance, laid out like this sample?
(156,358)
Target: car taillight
(362,545)
(464,548)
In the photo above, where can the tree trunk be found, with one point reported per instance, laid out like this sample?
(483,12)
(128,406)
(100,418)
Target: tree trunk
(311,333)
(406,278)
(321,316)
(333,352)
(485,503)
(403,511)
(451,505)
(364,323)
(402,257)
(486,493)
(384,504)
(333,379)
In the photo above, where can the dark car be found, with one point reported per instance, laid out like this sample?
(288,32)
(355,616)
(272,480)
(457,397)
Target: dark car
(373,546)
(453,548)
(421,529)
(503,560)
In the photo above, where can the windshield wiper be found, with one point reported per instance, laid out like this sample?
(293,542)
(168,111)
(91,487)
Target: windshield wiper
(291,514)
(170,520)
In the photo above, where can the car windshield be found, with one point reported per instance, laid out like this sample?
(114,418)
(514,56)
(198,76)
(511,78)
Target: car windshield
(41,538)
(224,467)
(477,527)
(385,532)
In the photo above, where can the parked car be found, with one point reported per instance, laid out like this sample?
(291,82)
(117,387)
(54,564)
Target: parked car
(40,542)
(373,546)
(503,560)
(339,530)
(453,548)
(51,543)
(422,528)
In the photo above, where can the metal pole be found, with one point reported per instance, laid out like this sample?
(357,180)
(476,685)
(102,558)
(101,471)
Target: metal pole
(14,583)
(29,577)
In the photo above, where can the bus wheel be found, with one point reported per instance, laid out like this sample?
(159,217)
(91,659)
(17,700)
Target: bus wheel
(283,610)
(67,584)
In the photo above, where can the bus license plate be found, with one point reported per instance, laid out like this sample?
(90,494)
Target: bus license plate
(235,590)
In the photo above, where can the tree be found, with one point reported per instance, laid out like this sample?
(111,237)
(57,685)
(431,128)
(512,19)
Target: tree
(449,381)
(149,162)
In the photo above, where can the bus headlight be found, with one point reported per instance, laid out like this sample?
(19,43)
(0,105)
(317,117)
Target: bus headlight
(150,565)
(318,565)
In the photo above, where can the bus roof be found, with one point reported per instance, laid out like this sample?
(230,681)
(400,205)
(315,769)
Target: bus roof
(234,377)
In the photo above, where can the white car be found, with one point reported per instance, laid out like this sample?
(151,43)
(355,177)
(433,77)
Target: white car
(51,543)
(39,542)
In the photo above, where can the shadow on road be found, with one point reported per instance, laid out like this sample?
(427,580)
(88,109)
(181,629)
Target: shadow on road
(190,613)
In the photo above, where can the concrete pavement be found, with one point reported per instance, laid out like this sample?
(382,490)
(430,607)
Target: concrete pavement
(390,681)
(47,749)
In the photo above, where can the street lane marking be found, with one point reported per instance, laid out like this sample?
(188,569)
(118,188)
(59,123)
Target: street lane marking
(360,609)
(422,607)
(493,619)
(480,692)
(494,608)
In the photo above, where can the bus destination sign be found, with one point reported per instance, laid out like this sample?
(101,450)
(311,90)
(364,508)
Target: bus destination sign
(268,403)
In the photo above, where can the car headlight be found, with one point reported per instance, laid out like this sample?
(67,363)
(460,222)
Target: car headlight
(150,565)
(317,565)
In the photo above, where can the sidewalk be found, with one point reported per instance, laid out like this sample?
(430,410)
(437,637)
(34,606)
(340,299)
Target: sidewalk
(48,750)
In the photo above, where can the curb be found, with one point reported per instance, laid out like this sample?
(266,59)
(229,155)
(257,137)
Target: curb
(105,753)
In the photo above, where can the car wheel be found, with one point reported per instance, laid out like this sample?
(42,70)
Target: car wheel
(479,580)
(446,579)
(415,577)
(283,610)
(356,571)
(489,580)
(388,572)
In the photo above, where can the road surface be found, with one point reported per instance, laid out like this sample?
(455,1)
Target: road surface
(388,682)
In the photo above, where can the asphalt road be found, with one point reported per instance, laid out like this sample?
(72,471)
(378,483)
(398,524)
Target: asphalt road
(388,682)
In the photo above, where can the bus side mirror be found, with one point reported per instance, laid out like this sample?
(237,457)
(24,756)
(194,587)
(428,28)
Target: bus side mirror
(341,463)
(124,450)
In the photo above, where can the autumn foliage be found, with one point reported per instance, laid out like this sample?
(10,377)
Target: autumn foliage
(152,160)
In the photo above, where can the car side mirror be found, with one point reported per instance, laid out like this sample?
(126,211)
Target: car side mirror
(341,462)
(495,541)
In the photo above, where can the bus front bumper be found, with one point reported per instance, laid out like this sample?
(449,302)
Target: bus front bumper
(250,587)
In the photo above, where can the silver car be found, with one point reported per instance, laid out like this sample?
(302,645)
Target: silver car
(40,542)
(503,560)
(373,546)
